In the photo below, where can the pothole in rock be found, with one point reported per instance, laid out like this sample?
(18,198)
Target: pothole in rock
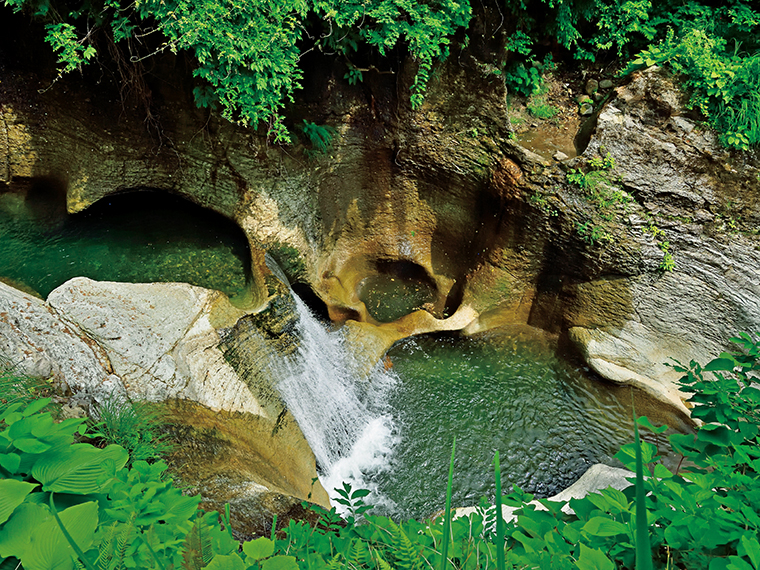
(399,288)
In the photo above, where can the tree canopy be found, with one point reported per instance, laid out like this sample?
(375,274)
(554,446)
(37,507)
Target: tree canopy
(248,53)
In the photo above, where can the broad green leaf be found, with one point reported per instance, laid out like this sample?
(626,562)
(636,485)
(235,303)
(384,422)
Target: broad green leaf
(715,434)
(736,563)
(226,562)
(682,443)
(15,539)
(720,364)
(280,563)
(10,462)
(602,526)
(662,472)
(644,421)
(12,494)
(50,548)
(750,547)
(11,413)
(35,406)
(177,506)
(258,549)
(79,471)
(593,559)
(43,426)
(31,445)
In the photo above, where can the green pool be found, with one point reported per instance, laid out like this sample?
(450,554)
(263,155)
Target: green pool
(506,390)
(136,237)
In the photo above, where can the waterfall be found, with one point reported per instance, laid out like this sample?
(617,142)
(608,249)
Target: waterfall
(345,420)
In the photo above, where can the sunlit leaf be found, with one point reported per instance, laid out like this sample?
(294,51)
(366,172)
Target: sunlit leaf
(12,494)
(80,470)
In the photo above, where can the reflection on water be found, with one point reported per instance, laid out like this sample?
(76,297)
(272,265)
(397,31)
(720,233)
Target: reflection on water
(503,390)
(136,237)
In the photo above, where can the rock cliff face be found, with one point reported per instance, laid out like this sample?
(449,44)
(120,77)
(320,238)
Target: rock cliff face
(441,201)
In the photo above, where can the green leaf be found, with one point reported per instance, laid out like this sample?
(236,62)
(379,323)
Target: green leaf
(31,445)
(258,549)
(15,538)
(10,414)
(643,548)
(36,406)
(593,559)
(12,494)
(736,563)
(280,563)
(644,421)
(749,546)
(51,550)
(10,462)
(720,364)
(226,562)
(715,434)
(602,526)
(360,493)
(81,470)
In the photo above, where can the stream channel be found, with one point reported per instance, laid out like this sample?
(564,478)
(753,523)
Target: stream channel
(507,389)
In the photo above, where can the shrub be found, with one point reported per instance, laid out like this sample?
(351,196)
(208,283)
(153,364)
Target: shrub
(135,426)
(705,514)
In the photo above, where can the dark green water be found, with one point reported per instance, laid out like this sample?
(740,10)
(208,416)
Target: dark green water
(136,237)
(388,298)
(505,390)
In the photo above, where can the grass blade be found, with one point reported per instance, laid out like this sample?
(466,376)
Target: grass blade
(447,513)
(499,518)
(643,548)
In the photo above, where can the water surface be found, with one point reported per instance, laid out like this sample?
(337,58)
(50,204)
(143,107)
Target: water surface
(136,237)
(505,390)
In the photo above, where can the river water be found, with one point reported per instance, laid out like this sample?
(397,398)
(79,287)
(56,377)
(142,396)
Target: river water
(137,237)
(391,432)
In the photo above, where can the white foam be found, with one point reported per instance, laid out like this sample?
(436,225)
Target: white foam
(346,423)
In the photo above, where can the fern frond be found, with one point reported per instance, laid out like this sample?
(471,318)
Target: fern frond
(335,563)
(112,550)
(123,543)
(358,553)
(106,549)
(407,557)
(383,565)
(197,549)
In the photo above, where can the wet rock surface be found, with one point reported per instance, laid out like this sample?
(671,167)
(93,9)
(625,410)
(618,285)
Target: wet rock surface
(497,231)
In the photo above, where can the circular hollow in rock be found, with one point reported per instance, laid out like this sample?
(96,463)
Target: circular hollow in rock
(398,288)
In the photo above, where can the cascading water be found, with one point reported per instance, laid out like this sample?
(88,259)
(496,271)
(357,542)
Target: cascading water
(346,421)
(391,432)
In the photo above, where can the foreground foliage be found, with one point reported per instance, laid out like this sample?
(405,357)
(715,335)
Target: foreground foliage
(68,505)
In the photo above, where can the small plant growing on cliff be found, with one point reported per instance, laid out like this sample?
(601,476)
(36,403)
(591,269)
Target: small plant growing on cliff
(542,203)
(320,137)
(593,234)
(135,426)
(577,177)
(668,263)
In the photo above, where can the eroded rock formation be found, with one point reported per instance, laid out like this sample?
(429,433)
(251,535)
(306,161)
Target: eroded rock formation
(441,200)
